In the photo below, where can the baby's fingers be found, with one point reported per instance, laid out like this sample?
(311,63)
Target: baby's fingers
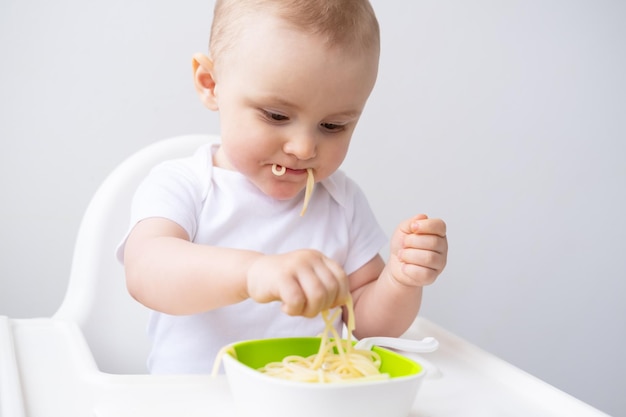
(422,258)
(433,243)
(417,275)
(293,297)
(319,285)
(427,226)
(325,288)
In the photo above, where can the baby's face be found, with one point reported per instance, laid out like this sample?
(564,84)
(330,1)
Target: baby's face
(285,98)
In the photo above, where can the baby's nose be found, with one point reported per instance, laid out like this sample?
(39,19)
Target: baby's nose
(302,147)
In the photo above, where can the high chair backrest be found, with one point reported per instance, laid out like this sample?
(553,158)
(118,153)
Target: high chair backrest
(114,324)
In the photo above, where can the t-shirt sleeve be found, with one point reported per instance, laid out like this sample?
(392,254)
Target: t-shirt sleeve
(172,190)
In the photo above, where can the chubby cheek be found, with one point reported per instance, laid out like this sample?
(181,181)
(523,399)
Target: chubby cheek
(242,151)
(245,159)
(331,161)
(240,158)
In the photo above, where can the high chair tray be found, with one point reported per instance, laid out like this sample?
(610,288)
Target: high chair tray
(46,369)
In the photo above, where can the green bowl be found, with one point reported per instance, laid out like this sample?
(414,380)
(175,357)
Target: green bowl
(258,353)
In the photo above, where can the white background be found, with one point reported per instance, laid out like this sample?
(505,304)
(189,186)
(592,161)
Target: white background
(507,119)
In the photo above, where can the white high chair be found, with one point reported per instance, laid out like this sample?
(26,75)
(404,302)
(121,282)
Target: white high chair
(47,369)
(113,323)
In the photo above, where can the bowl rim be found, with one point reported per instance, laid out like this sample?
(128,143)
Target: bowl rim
(228,359)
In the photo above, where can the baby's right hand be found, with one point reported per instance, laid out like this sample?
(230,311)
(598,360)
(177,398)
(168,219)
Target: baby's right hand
(306,281)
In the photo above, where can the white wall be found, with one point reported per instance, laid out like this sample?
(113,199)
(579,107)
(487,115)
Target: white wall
(505,118)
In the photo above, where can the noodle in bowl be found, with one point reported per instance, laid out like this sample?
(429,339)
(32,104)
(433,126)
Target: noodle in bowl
(261,395)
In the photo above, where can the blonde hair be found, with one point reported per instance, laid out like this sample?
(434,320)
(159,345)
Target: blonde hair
(350,24)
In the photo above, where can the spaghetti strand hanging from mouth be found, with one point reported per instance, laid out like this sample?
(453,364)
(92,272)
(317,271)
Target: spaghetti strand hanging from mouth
(280,170)
(310,184)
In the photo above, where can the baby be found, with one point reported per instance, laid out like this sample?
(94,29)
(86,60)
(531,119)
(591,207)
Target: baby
(217,246)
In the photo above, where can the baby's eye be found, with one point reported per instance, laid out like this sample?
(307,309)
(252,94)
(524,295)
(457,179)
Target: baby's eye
(332,127)
(275,117)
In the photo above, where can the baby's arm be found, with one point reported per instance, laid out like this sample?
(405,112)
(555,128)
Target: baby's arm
(168,273)
(387,297)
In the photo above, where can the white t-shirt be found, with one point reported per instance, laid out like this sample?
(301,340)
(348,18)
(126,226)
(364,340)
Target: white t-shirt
(222,208)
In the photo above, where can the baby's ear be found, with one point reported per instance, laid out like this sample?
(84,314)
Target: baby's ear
(204,81)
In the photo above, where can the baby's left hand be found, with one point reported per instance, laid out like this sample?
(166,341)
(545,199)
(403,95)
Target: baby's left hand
(419,251)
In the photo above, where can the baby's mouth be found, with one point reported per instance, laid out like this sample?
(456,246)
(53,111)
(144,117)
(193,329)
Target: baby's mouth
(280,170)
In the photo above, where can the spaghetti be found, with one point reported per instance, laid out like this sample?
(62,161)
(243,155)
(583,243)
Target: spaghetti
(335,361)
(310,184)
(280,170)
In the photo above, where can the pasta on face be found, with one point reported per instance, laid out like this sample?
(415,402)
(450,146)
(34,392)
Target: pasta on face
(279,171)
